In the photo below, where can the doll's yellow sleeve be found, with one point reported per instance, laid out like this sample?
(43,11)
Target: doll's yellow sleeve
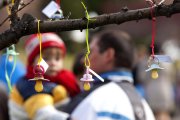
(36,102)
(16,97)
(59,93)
(15,105)
(41,101)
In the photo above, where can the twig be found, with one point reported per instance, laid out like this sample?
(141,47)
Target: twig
(4,21)
(25,5)
(16,12)
(14,17)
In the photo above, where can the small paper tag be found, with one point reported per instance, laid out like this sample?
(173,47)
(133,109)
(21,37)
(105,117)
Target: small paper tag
(95,74)
(44,65)
(164,58)
(50,9)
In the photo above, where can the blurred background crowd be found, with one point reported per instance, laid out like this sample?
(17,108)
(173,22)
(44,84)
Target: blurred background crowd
(163,94)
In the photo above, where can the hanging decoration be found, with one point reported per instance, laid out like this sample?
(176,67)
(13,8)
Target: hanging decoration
(41,66)
(11,56)
(87,77)
(59,13)
(153,64)
(154,60)
(53,10)
(10,51)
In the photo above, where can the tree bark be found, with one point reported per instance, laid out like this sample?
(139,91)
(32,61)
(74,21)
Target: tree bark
(28,25)
(14,17)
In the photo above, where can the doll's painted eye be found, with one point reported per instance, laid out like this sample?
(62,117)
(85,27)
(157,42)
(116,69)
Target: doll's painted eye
(58,57)
(46,58)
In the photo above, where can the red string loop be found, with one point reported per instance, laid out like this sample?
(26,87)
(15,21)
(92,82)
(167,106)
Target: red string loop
(152,3)
(58,2)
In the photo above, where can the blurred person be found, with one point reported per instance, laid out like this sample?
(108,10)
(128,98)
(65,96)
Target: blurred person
(3,105)
(171,47)
(138,82)
(54,51)
(177,91)
(78,68)
(25,102)
(112,57)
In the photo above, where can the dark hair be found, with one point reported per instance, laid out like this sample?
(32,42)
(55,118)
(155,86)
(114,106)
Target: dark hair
(121,43)
(78,67)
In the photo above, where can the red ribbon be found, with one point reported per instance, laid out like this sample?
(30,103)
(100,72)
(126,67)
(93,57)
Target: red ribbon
(58,2)
(153,27)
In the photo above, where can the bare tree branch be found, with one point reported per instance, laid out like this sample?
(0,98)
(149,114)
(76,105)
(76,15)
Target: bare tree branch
(12,36)
(4,21)
(14,17)
(28,25)
(25,5)
(16,12)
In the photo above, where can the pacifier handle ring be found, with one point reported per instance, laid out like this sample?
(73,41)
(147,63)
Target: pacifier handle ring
(87,70)
(153,59)
(11,48)
(40,67)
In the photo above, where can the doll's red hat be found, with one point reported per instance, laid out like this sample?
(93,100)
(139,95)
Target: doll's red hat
(48,40)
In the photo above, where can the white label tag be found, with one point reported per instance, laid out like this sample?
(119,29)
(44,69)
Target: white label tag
(51,9)
(164,58)
(95,74)
(44,65)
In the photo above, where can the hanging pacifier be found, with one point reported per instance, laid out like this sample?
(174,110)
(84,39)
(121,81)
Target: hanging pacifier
(38,77)
(53,10)
(41,67)
(153,64)
(10,51)
(59,13)
(87,78)
(10,57)
(39,71)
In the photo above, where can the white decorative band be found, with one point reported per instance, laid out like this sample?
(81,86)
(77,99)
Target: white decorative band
(46,37)
(117,78)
